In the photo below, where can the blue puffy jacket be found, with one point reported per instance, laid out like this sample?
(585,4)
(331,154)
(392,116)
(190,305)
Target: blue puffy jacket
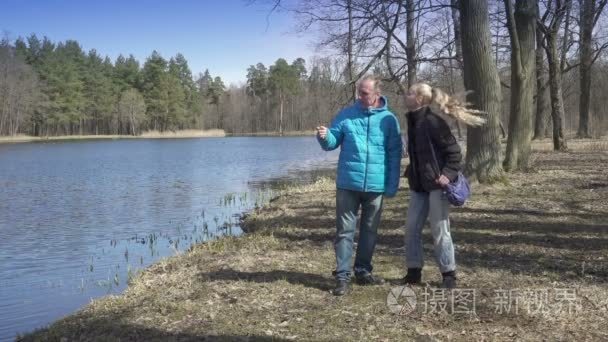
(370,154)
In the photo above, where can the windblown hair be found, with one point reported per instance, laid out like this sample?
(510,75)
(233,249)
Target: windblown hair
(442,103)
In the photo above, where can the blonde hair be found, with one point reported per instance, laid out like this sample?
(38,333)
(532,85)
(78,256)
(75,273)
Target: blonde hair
(442,103)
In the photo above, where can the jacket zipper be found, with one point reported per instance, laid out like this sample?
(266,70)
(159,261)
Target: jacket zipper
(366,155)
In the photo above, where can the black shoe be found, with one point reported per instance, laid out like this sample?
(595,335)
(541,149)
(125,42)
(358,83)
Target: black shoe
(341,288)
(449,280)
(369,279)
(413,276)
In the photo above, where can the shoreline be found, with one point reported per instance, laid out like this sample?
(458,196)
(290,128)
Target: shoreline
(273,282)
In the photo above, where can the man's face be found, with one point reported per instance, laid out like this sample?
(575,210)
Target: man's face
(367,94)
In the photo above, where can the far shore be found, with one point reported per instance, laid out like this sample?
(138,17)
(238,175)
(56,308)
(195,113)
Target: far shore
(273,134)
(190,133)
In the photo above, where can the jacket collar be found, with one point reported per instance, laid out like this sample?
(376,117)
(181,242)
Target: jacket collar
(374,110)
(417,114)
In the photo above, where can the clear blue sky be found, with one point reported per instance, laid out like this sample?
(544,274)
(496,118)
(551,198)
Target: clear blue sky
(225,36)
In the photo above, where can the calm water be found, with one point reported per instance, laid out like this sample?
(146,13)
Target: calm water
(77,219)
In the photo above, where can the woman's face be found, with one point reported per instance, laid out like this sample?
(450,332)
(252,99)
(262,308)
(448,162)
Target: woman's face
(411,100)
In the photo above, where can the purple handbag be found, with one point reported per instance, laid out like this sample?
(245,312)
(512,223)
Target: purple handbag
(457,191)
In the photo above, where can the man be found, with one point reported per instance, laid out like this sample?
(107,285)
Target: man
(369,138)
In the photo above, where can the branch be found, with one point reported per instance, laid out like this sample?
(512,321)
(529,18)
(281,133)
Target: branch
(546,14)
(599,50)
(570,67)
(388,50)
(369,64)
(600,8)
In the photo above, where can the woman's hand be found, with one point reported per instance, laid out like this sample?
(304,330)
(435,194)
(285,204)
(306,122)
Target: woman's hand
(443,181)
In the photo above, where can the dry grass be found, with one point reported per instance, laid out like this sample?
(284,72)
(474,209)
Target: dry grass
(546,229)
(574,145)
(191,133)
(17,138)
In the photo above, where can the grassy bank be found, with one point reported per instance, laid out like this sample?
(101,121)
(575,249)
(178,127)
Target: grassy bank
(191,133)
(544,230)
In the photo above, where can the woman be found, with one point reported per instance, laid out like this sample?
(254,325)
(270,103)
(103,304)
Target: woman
(435,160)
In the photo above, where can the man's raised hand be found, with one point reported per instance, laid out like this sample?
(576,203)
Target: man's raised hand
(322,132)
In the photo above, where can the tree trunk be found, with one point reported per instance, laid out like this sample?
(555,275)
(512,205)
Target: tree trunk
(566,37)
(555,79)
(483,160)
(457,34)
(353,86)
(1,124)
(557,101)
(522,27)
(586,56)
(540,125)
(410,51)
(281,115)
(457,56)
(132,121)
(220,116)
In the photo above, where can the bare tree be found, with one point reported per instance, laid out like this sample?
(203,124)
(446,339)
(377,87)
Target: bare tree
(550,23)
(20,94)
(132,110)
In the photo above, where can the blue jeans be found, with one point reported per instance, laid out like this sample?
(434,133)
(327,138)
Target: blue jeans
(347,209)
(435,206)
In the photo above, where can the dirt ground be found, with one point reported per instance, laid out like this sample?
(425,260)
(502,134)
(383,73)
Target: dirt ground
(531,254)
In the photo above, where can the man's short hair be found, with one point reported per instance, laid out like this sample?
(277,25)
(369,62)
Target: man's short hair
(375,79)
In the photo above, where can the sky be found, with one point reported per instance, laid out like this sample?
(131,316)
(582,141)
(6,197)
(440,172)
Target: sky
(224,36)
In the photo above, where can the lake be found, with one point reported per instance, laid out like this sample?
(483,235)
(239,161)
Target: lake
(78,219)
